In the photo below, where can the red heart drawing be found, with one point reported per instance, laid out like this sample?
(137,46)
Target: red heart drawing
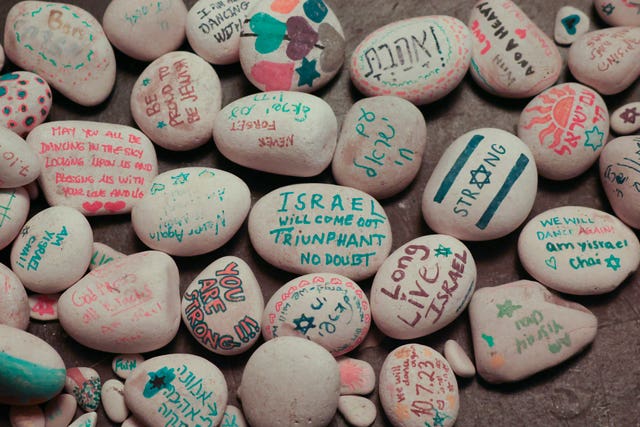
(521,32)
(273,75)
(92,207)
(115,206)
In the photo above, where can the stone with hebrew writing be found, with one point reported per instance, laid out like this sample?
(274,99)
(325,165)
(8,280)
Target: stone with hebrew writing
(97,168)
(53,250)
(422,286)
(483,186)
(113,401)
(356,376)
(520,328)
(381,144)
(124,364)
(570,23)
(283,132)
(60,410)
(419,59)
(19,163)
(176,99)
(625,120)
(620,178)
(130,305)
(26,416)
(511,56)
(65,45)
(608,60)
(43,307)
(177,389)
(291,45)
(191,211)
(222,307)
(14,303)
(85,385)
(321,228)
(418,388)
(143,29)
(565,127)
(578,250)
(14,209)
(618,13)
(26,101)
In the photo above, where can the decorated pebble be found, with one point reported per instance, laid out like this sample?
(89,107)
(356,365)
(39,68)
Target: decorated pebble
(25,99)
(182,387)
(103,254)
(113,401)
(175,101)
(129,305)
(53,250)
(458,360)
(14,203)
(19,163)
(26,416)
(59,411)
(145,29)
(608,60)
(483,186)
(290,381)
(625,120)
(222,307)
(291,45)
(63,44)
(578,250)
(31,371)
(419,59)
(422,286)
(233,417)
(619,175)
(85,385)
(14,303)
(124,364)
(380,146)
(326,308)
(43,307)
(90,419)
(97,168)
(570,24)
(288,133)
(618,13)
(356,376)
(418,388)
(191,211)
(521,328)
(565,127)
(358,411)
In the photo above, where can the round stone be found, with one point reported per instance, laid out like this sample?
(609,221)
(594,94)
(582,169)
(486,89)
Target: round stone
(356,376)
(619,176)
(624,120)
(25,100)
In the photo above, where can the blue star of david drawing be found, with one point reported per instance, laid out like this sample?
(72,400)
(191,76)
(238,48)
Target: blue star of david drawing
(608,9)
(443,250)
(594,138)
(480,176)
(613,262)
(304,323)
(181,178)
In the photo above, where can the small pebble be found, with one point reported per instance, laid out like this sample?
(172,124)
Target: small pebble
(43,307)
(103,254)
(113,401)
(619,176)
(19,163)
(570,24)
(356,376)
(358,411)
(14,303)
(132,422)
(25,99)
(458,360)
(60,410)
(26,416)
(85,385)
(618,13)
(626,119)
(90,419)
(124,364)
(15,204)
(233,417)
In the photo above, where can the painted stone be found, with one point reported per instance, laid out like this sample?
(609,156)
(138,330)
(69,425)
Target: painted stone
(59,411)
(176,99)
(356,376)
(143,29)
(123,365)
(97,168)
(422,286)
(191,211)
(14,303)
(624,120)
(31,371)
(511,56)
(291,45)
(85,385)
(63,44)
(618,13)
(578,250)
(358,411)
(608,60)
(129,305)
(103,254)
(288,133)
(19,163)
(565,127)
(113,401)
(620,178)
(521,328)
(321,228)
(482,188)
(419,59)
(233,417)
(460,363)
(213,29)
(90,419)
(26,101)
(222,307)
(26,416)
(328,309)
(380,147)
(425,394)
(303,384)
(157,391)
(43,307)
(53,250)
(570,24)
(14,209)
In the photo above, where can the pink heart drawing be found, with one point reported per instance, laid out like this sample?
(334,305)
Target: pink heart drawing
(521,32)
(115,206)
(273,75)
(92,207)
(302,38)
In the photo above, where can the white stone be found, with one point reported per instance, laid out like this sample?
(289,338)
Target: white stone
(59,411)
(288,133)
(124,364)
(132,422)
(570,24)
(63,44)
(43,307)
(19,163)
(618,13)
(624,120)
(103,254)
(233,417)
(90,419)
(191,211)
(458,359)
(26,101)
(26,416)
(85,385)
(14,303)
(15,204)
(619,175)
(113,401)
(358,411)
(356,376)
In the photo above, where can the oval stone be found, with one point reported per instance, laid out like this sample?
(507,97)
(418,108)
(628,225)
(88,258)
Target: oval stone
(511,56)
(482,188)
(144,29)
(380,147)
(124,364)
(60,410)
(43,307)
(422,286)
(356,376)
(16,205)
(620,176)
(578,250)
(291,45)
(458,359)
(14,303)
(288,133)
(113,401)
(129,305)
(31,371)
(185,387)
(53,250)
(222,307)
(90,419)
(65,45)
(175,101)
(191,211)
(624,120)
(358,411)
(618,13)
(25,99)
(419,59)
(328,309)
(85,385)
(418,388)
(321,228)
(19,163)
(565,127)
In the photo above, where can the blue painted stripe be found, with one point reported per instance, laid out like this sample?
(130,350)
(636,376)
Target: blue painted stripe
(511,179)
(24,382)
(448,180)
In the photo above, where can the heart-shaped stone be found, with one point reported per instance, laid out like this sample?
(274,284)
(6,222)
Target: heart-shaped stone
(570,23)
(315,10)
(302,38)
(333,44)
(284,6)
(273,75)
(269,32)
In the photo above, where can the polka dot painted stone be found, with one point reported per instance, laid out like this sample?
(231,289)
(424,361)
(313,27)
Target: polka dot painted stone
(619,176)
(25,101)
(14,203)
(85,385)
